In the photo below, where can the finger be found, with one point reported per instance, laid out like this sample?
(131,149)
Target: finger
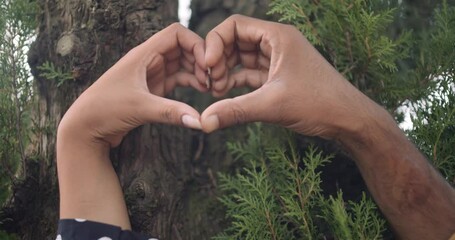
(161,110)
(244,78)
(173,66)
(194,62)
(249,59)
(199,54)
(263,61)
(189,56)
(201,75)
(248,78)
(220,84)
(219,70)
(247,30)
(170,39)
(183,79)
(233,60)
(251,107)
(173,54)
(187,65)
(247,47)
(214,48)
(179,64)
(218,75)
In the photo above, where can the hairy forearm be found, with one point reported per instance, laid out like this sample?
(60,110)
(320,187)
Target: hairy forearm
(415,199)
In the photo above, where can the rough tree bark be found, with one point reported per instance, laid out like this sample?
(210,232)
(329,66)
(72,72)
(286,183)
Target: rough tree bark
(167,173)
(166,176)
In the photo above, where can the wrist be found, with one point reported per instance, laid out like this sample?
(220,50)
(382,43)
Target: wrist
(351,117)
(370,131)
(72,138)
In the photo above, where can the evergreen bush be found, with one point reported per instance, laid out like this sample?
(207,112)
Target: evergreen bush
(277,194)
(17,26)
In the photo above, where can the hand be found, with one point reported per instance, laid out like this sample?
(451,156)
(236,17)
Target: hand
(297,87)
(131,92)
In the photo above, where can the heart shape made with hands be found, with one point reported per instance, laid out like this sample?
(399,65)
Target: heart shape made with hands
(263,55)
(131,93)
(231,56)
(230,64)
(234,56)
(295,86)
(239,52)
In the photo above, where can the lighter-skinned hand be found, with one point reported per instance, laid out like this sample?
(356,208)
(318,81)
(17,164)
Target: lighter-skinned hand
(131,92)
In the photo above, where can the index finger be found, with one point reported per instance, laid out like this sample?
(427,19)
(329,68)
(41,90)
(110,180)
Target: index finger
(236,29)
(176,36)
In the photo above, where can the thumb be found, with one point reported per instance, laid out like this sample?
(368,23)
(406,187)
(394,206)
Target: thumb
(162,110)
(250,107)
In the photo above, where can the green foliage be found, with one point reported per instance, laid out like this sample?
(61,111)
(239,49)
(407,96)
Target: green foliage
(357,221)
(299,186)
(255,214)
(252,148)
(434,119)
(278,195)
(6,236)
(50,72)
(298,13)
(353,36)
(434,128)
(437,53)
(17,24)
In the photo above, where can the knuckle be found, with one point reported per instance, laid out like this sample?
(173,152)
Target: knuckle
(168,114)
(172,28)
(235,17)
(287,33)
(281,29)
(134,53)
(290,28)
(175,25)
(135,50)
(238,114)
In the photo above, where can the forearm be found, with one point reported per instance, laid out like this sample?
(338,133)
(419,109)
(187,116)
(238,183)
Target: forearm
(415,199)
(89,186)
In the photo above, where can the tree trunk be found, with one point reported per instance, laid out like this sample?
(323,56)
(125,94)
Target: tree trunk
(206,14)
(164,171)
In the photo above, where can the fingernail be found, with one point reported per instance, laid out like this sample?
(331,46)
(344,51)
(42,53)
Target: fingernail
(208,81)
(191,122)
(211,123)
